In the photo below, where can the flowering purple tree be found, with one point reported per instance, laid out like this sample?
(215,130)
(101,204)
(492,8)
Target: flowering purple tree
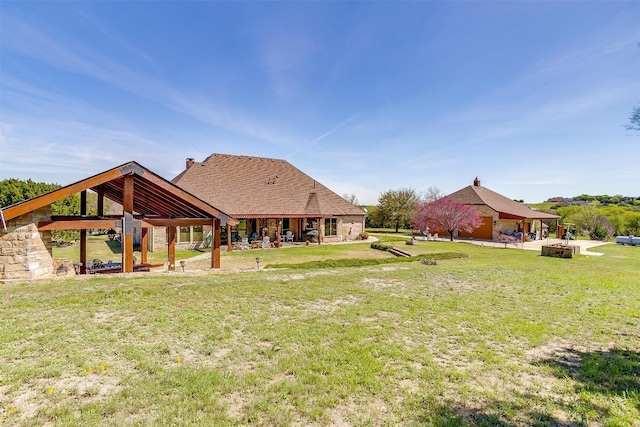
(446,214)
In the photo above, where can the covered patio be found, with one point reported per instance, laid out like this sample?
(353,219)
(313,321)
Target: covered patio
(147,201)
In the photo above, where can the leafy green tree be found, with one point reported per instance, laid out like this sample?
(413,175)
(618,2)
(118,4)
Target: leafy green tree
(15,190)
(632,223)
(374,217)
(397,207)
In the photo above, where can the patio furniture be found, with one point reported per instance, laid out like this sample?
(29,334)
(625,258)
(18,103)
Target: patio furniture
(265,242)
(289,237)
(244,243)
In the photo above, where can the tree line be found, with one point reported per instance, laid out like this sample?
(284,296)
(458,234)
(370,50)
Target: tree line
(13,191)
(597,217)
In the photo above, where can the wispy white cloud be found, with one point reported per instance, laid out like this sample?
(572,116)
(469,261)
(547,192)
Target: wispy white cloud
(72,55)
(322,137)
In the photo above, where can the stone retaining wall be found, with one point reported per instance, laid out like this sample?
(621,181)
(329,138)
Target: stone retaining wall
(25,253)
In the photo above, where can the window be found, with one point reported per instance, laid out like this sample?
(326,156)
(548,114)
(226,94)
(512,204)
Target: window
(330,226)
(185,235)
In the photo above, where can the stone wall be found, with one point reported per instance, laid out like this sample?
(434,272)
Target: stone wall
(25,253)
(347,228)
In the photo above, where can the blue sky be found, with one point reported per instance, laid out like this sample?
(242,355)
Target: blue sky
(531,97)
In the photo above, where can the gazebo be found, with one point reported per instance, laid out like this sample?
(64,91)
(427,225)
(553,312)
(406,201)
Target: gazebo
(147,201)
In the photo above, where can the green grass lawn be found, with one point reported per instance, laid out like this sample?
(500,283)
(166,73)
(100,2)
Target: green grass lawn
(501,337)
(102,248)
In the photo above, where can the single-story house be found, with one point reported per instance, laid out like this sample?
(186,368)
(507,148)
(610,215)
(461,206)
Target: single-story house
(147,201)
(269,197)
(500,214)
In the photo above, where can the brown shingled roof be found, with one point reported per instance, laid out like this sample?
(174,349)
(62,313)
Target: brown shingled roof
(257,187)
(478,195)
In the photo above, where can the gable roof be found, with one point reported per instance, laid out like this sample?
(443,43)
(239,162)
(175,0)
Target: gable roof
(478,195)
(153,196)
(258,187)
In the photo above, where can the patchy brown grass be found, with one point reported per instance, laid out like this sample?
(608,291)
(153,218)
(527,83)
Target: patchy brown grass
(474,341)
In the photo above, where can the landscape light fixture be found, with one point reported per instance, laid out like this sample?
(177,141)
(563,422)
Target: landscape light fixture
(258,263)
(182,263)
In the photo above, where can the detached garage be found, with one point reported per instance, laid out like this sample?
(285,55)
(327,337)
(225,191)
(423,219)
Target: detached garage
(500,214)
(484,232)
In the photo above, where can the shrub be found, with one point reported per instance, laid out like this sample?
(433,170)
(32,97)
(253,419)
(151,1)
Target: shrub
(380,246)
(428,259)
(364,235)
(599,233)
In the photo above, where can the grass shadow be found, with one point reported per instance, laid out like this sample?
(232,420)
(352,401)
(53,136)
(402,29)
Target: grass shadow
(614,372)
(489,416)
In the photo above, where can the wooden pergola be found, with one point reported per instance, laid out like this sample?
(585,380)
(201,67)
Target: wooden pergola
(147,200)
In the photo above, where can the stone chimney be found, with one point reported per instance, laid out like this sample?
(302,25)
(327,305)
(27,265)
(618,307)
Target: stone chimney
(476,182)
(190,162)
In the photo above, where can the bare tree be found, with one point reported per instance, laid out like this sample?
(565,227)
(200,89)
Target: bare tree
(432,194)
(351,198)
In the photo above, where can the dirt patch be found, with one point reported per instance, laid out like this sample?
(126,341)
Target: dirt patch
(235,403)
(379,284)
(298,276)
(326,306)
(87,388)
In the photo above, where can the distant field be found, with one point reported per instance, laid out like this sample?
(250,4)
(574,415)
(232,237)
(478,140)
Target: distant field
(503,337)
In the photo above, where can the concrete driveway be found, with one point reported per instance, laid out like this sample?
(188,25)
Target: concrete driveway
(536,245)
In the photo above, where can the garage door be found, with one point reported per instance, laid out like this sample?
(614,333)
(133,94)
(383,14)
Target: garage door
(485,231)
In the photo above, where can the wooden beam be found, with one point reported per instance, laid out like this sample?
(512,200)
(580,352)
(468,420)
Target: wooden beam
(83,234)
(278,231)
(59,194)
(144,245)
(148,222)
(78,224)
(171,249)
(177,222)
(127,224)
(215,255)
(229,245)
(168,186)
(127,242)
(100,200)
(127,194)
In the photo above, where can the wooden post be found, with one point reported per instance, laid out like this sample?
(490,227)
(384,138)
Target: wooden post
(127,225)
(229,246)
(215,247)
(171,249)
(83,234)
(100,200)
(144,245)
(320,233)
(278,231)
